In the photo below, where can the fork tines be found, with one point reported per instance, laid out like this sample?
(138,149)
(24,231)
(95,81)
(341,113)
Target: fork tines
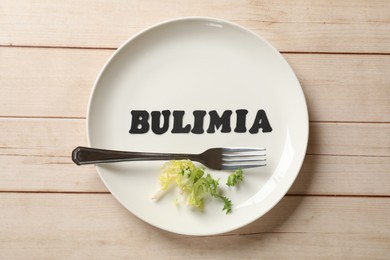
(234,158)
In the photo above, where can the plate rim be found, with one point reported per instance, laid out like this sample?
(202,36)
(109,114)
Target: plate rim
(220,21)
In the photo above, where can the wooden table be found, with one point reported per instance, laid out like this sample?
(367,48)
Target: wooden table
(50,55)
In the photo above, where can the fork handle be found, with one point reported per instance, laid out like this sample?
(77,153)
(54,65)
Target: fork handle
(86,155)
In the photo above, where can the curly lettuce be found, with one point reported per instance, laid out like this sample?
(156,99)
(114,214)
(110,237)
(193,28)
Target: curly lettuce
(192,182)
(235,177)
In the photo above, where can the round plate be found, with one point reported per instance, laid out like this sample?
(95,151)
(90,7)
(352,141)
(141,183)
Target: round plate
(205,64)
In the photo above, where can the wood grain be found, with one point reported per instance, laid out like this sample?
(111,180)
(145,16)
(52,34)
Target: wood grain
(98,227)
(50,55)
(333,89)
(293,26)
(344,87)
(52,82)
(343,175)
(356,139)
(56,137)
(35,156)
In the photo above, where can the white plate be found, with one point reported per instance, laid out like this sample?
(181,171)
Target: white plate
(193,64)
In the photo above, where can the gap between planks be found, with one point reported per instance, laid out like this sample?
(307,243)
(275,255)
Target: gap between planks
(115,48)
(288,195)
(348,155)
(42,117)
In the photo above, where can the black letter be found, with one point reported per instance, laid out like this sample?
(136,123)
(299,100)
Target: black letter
(241,121)
(216,121)
(156,115)
(261,121)
(178,123)
(198,122)
(139,122)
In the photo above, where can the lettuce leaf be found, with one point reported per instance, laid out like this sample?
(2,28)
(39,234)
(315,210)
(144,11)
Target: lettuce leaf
(235,177)
(192,183)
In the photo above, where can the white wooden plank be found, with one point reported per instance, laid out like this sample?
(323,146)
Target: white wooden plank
(56,137)
(35,156)
(47,173)
(48,82)
(337,26)
(359,139)
(343,175)
(96,226)
(333,89)
(344,87)
(330,175)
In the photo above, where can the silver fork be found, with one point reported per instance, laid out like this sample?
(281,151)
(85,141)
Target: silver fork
(213,158)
